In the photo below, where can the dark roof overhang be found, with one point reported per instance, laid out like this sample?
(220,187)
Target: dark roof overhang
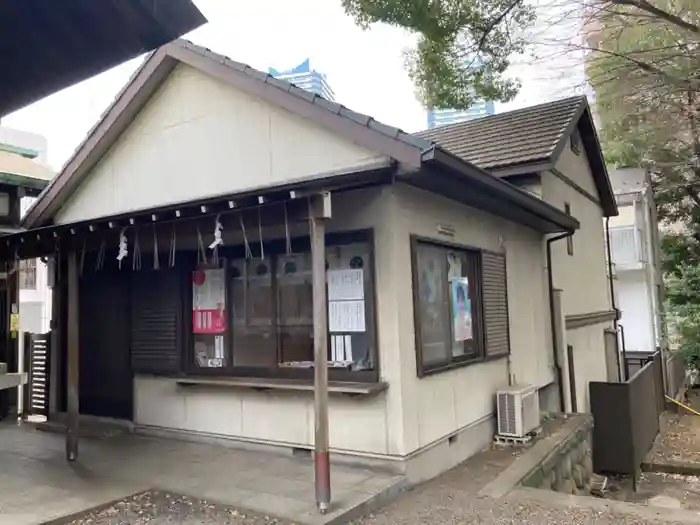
(459,180)
(46,46)
(43,241)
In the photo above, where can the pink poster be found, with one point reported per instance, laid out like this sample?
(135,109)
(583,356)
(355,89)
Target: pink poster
(209,301)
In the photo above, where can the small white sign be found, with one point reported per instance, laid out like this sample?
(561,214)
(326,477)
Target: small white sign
(346,316)
(346,285)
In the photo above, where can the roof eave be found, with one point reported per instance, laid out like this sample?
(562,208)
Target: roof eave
(114,121)
(594,152)
(553,220)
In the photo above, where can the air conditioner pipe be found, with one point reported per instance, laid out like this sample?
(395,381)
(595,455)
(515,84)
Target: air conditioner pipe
(552,317)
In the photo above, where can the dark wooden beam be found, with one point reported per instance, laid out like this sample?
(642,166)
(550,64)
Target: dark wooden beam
(73,359)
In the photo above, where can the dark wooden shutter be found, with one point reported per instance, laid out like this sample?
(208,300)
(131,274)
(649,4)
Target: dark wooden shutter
(495,300)
(37,355)
(156,322)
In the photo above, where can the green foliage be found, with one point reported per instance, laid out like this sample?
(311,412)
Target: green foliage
(644,72)
(682,271)
(644,69)
(464,46)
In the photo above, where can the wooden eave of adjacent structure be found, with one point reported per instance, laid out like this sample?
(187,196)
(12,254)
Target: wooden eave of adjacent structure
(46,46)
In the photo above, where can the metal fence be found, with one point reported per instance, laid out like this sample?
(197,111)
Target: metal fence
(626,419)
(634,363)
(676,370)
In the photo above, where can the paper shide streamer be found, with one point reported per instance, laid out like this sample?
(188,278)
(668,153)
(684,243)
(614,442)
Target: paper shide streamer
(123,250)
(218,240)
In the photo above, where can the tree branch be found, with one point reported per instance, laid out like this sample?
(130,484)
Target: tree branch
(643,5)
(645,66)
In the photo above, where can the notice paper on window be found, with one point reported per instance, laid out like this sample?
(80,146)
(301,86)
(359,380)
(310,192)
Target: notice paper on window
(346,285)
(346,316)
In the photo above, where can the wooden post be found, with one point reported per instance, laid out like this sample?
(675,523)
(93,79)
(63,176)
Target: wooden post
(319,211)
(73,359)
(10,352)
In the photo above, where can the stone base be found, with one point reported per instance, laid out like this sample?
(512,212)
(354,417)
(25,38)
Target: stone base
(418,466)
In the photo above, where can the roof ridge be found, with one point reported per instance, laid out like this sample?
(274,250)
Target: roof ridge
(514,112)
(314,98)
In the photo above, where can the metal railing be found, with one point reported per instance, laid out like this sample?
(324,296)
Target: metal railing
(625,246)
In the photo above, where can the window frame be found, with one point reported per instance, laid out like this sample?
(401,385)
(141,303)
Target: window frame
(477,310)
(275,248)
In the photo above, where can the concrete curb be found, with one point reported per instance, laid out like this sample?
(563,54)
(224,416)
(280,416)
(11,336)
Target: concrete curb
(620,507)
(672,467)
(373,502)
(525,464)
(62,520)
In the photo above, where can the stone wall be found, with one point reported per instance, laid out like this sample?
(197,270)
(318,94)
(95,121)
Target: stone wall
(569,465)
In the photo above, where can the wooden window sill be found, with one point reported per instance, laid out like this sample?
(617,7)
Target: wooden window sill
(334,387)
(12,380)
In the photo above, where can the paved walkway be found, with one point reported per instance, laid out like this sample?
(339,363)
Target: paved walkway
(37,484)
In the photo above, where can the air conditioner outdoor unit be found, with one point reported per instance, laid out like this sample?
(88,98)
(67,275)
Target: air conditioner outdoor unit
(518,410)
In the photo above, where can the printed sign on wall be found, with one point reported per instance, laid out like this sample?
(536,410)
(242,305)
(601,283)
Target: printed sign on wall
(209,301)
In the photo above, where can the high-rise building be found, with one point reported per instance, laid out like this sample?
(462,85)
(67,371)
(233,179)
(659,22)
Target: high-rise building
(306,78)
(480,108)
(22,156)
(439,117)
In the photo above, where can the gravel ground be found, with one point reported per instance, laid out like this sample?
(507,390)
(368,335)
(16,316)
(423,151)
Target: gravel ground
(679,441)
(684,489)
(161,508)
(440,502)
(451,505)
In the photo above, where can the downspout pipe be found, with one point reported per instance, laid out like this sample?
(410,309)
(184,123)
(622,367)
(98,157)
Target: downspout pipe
(553,316)
(613,305)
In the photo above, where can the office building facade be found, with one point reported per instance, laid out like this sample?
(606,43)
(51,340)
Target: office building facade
(306,78)
(440,117)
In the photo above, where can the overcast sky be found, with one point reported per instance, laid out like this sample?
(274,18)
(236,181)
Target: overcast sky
(364,68)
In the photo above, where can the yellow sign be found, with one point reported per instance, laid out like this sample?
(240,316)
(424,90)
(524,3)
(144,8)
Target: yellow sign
(14,324)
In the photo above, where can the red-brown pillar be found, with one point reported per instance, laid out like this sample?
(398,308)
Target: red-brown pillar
(319,211)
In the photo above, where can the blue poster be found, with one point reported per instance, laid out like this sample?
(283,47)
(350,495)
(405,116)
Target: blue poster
(461,309)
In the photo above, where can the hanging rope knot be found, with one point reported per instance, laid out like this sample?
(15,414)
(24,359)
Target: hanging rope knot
(218,240)
(248,252)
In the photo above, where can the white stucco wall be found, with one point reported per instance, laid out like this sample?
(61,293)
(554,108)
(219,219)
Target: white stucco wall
(440,404)
(199,137)
(637,315)
(370,426)
(583,276)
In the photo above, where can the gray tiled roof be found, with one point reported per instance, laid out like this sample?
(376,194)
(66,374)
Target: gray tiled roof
(523,136)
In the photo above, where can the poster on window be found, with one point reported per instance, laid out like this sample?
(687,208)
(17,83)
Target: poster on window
(209,301)
(461,309)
